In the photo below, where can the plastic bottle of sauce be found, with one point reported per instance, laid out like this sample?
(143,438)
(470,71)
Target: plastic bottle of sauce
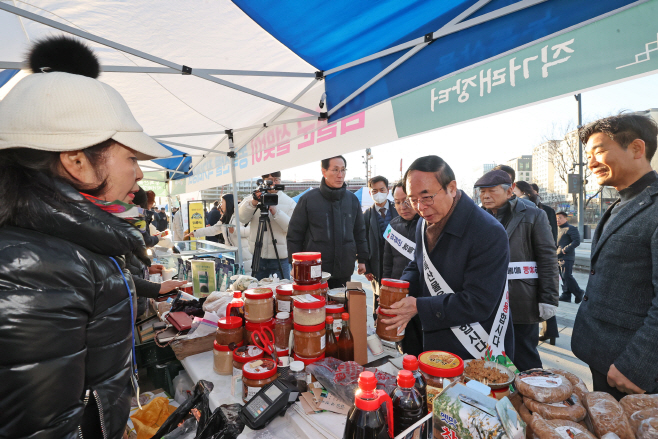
(408,405)
(236,307)
(346,341)
(367,419)
(410,363)
(331,349)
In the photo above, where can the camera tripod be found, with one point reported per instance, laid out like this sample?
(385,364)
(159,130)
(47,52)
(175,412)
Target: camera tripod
(263,223)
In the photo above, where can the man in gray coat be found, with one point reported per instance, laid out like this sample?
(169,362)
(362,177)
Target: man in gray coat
(532,298)
(616,329)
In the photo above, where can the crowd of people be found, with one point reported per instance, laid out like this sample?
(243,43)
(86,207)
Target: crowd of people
(73,258)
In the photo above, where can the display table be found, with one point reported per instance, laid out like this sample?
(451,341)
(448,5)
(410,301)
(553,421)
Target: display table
(320,425)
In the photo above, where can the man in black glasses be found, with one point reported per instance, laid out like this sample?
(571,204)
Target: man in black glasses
(458,274)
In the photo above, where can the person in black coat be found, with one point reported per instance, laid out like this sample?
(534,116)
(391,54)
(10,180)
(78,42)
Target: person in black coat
(567,241)
(550,212)
(330,221)
(163,221)
(213,218)
(469,250)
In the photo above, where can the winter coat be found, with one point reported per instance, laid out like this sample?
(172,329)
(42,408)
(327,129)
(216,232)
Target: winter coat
(376,239)
(160,221)
(231,238)
(530,239)
(568,239)
(249,214)
(617,321)
(65,322)
(394,261)
(177,226)
(552,219)
(329,221)
(472,256)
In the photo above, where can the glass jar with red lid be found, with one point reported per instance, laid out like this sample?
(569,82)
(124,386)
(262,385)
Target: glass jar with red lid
(388,333)
(439,368)
(284,295)
(324,289)
(310,341)
(229,330)
(255,375)
(392,291)
(307,268)
(251,327)
(309,310)
(245,354)
(258,305)
(298,290)
(336,311)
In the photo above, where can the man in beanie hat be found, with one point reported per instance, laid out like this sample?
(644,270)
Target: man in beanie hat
(532,274)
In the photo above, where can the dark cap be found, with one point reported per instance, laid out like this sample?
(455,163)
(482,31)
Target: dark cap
(493,178)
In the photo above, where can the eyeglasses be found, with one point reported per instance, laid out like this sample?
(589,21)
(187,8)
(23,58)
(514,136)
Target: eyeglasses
(338,171)
(404,203)
(426,201)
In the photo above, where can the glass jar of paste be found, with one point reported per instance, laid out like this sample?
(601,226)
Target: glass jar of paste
(392,291)
(255,375)
(229,330)
(439,368)
(307,268)
(388,333)
(335,311)
(309,310)
(310,341)
(258,305)
(222,359)
(300,290)
(324,289)
(243,355)
(282,328)
(251,327)
(284,298)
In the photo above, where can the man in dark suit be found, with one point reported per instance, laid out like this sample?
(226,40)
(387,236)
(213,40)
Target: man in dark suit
(377,219)
(616,329)
(568,239)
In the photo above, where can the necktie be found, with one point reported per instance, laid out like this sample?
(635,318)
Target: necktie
(382,211)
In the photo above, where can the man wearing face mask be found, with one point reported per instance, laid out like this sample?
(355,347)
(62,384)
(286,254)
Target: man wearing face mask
(377,219)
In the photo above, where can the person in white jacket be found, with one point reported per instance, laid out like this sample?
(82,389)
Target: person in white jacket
(279,217)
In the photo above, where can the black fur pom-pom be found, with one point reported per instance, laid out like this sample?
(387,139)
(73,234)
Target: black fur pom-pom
(63,54)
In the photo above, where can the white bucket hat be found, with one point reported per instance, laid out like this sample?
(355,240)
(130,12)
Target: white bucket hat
(66,112)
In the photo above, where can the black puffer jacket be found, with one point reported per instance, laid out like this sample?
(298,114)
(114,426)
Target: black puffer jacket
(65,323)
(329,221)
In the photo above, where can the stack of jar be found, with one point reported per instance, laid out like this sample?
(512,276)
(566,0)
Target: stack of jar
(391,291)
(229,336)
(259,308)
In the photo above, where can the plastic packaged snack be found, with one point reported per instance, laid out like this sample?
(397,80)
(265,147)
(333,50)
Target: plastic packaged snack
(648,429)
(571,409)
(570,430)
(579,386)
(639,416)
(607,415)
(634,403)
(543,386)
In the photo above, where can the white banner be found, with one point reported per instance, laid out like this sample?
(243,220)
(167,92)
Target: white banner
(400,243)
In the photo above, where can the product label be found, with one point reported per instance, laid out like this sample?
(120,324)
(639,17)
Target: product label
(237,372)
(432,393)
(338,326)
(249,392)
(283,306)
(567,432)
(323,342)
(258,366)
(442,360)
(400,330)
(305,298)
(316,271)
(541,378)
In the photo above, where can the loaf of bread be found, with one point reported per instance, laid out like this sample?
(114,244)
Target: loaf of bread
(634,403)
(639,416)
(571,409)
(607,415)
(543,386)
(579,386)
(648,429)
(526,416)
(543,429)
(570,429)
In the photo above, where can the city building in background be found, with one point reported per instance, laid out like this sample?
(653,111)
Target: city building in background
(523,167)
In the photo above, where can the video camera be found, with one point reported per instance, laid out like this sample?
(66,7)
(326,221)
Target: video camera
(265,198)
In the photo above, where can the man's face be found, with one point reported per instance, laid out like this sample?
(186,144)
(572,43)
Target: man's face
(378,188)
(275,180)
(495,197)
(561,220)
(335,175)
(608,161)
(405,211)
(427,196)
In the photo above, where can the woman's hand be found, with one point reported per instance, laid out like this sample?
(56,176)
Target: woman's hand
(404,310)
(169,285)
(188,235)
(156,269)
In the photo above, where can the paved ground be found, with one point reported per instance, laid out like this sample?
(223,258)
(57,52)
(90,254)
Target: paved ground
(559,355)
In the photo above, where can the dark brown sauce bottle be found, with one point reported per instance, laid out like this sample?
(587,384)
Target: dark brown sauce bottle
(331,348)
(346,341)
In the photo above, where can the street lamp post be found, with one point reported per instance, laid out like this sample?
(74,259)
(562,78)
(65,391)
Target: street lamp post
(581,194)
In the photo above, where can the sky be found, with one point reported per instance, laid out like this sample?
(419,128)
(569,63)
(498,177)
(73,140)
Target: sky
(498,138)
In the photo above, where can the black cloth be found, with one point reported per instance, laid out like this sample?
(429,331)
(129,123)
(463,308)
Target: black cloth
(600,384)
(329,221)
(526,339)
(66,326)
(551,328)
(394,261)
(628,194)
(162,221)
(150,241)
(213,217)
(552,219)
(569,284)
(375,238)
(338,282)
(568,239)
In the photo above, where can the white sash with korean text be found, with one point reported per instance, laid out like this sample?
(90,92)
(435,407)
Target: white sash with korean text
(473,336)
(400,243)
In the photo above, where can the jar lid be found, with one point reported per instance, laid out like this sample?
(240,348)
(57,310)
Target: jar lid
(296,366)
(309,301)
(259,369)
(222,347)
(282,352)
(335,309)
(251,326)
(395,283)
(311,287)
(306,256)
(237,294)
(312,328)
(324,285)
(249,353)
(230,322)
(284,290)
(308,361)
(441,364)
(259,293)
(282,315)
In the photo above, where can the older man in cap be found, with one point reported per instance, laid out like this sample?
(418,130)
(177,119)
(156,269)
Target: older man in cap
(532,272)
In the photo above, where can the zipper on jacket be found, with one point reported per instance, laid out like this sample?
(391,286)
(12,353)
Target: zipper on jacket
(85,401)
(100,413)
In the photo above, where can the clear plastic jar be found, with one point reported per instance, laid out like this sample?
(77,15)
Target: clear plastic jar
(300,290)
(309,377)
(309,310)
(284,298)
(258,305)
(298,375)
(282,328)
(229,330)
(324,289)
(244,355)
(392,291)
(310,341)
(255,375)
(439,367)
(306,268)
(222,359)
(335,312)
(388,333)
(252,327)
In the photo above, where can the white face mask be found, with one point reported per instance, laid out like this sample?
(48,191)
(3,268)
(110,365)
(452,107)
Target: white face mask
(379,197)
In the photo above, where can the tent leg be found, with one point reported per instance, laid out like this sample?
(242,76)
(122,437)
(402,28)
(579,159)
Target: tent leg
(232,155)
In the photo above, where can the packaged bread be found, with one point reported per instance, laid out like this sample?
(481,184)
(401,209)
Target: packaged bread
(542,428)
(610,436)
(570,409)
(570,430)
(648,429)
(543,386)
(639,416)
(579,386)
(607,415)
(634,403)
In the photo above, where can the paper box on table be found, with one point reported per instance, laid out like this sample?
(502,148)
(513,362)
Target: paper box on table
(358,310)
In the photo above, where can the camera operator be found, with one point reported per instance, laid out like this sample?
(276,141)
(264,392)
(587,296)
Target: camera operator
(279,216)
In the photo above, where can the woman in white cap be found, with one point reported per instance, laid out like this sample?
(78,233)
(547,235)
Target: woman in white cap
(69,147)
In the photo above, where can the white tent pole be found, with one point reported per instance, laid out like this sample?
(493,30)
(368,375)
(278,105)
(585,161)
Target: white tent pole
(208,133)
(167,70)
(185,145)
(185,70)
(267,124)
(232,155)
(152,169)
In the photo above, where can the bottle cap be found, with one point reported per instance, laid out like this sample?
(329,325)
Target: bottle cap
(410,362)
(367,381)
(282,315)
(296,366)
(345,316)
(406,379)
(237,294)
(329,319)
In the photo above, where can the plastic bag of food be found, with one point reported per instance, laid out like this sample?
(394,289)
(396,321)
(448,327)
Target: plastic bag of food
(607,415)
(197,405)
(639,416)
(217,302)
(634,403)
(543,386)
(242,282)
(571,409)
(648,429)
